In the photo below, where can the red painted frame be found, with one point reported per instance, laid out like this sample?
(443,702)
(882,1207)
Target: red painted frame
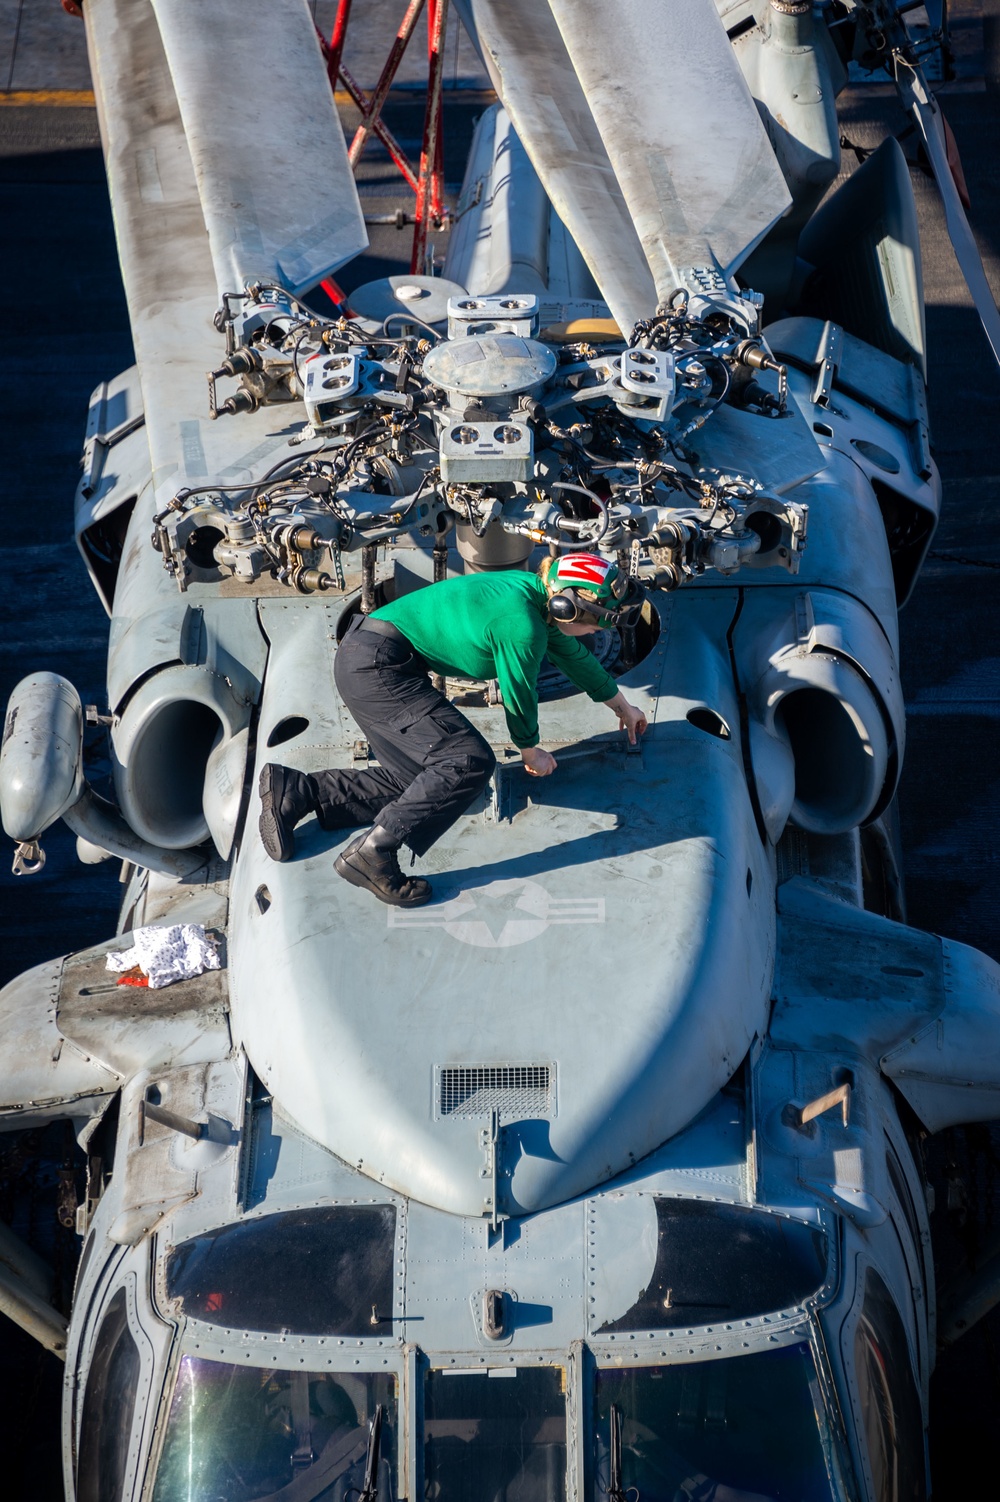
(427,181)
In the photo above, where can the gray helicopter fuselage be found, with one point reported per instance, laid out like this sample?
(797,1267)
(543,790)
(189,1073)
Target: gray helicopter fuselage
(749,1258)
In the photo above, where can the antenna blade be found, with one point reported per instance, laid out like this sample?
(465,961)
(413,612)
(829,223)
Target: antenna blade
(927,116)
(523,51)
(277,190)
(680,128)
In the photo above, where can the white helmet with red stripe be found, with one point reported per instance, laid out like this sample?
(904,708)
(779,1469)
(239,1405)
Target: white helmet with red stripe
(588,573)
(585,585)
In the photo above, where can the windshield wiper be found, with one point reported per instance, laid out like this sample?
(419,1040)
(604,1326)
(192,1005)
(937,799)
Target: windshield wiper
(369,1491)
(615,1492)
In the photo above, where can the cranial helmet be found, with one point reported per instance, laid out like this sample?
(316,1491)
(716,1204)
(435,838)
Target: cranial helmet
(587,587)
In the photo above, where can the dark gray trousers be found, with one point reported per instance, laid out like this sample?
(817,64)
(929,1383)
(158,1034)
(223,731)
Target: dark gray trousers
(432,763)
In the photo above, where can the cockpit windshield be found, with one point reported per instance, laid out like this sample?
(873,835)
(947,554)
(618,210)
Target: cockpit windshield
(317,1271)
(741,1430)
(495,1436)
(250,1434)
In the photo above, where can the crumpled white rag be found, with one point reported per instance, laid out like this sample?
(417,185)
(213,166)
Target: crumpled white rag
(168,954)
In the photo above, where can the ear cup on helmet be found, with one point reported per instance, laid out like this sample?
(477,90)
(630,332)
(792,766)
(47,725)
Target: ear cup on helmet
(562,608)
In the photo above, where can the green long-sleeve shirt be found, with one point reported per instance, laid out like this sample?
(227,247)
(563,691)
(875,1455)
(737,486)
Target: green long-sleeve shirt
(496,626)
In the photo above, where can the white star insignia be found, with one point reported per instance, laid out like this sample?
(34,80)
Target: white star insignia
(500,914)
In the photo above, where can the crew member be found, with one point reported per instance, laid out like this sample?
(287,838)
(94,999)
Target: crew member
(432,762)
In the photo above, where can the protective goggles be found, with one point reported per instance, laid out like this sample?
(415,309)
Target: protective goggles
(571,605)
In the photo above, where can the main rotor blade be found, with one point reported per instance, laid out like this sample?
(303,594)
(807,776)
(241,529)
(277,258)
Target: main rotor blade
(166,266)
(919,101)
(532,73)
(680,128)
(277,190)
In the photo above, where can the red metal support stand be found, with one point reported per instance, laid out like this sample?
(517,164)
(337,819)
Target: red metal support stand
(337,39)
(427,183)
(373,109)
(430,192)
(360,99)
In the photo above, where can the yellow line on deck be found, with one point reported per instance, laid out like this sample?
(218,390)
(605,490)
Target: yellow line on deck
(84,98)
(77,97)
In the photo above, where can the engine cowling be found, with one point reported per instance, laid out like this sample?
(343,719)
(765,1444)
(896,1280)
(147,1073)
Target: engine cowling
(163,743)
(823,686)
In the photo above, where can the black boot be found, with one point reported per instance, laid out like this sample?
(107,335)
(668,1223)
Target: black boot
(285,798)
(372,861)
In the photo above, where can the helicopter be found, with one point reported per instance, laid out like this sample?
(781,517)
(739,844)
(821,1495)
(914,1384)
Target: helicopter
(667,1189)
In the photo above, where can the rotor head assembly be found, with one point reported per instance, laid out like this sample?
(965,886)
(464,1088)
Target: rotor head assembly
(486,424)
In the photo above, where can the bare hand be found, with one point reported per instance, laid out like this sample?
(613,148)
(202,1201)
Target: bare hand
(631,719)
(538,762)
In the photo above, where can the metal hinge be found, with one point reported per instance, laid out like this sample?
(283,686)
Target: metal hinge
(489,1141)
(829,353)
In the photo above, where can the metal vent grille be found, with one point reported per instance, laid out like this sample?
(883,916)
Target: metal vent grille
(510,1089)
(793,854)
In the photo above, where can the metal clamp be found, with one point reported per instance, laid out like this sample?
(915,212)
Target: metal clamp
(29,858)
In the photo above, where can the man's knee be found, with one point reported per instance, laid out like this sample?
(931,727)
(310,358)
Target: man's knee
(444,737)
(482,761)
(476,758)
(466,765)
